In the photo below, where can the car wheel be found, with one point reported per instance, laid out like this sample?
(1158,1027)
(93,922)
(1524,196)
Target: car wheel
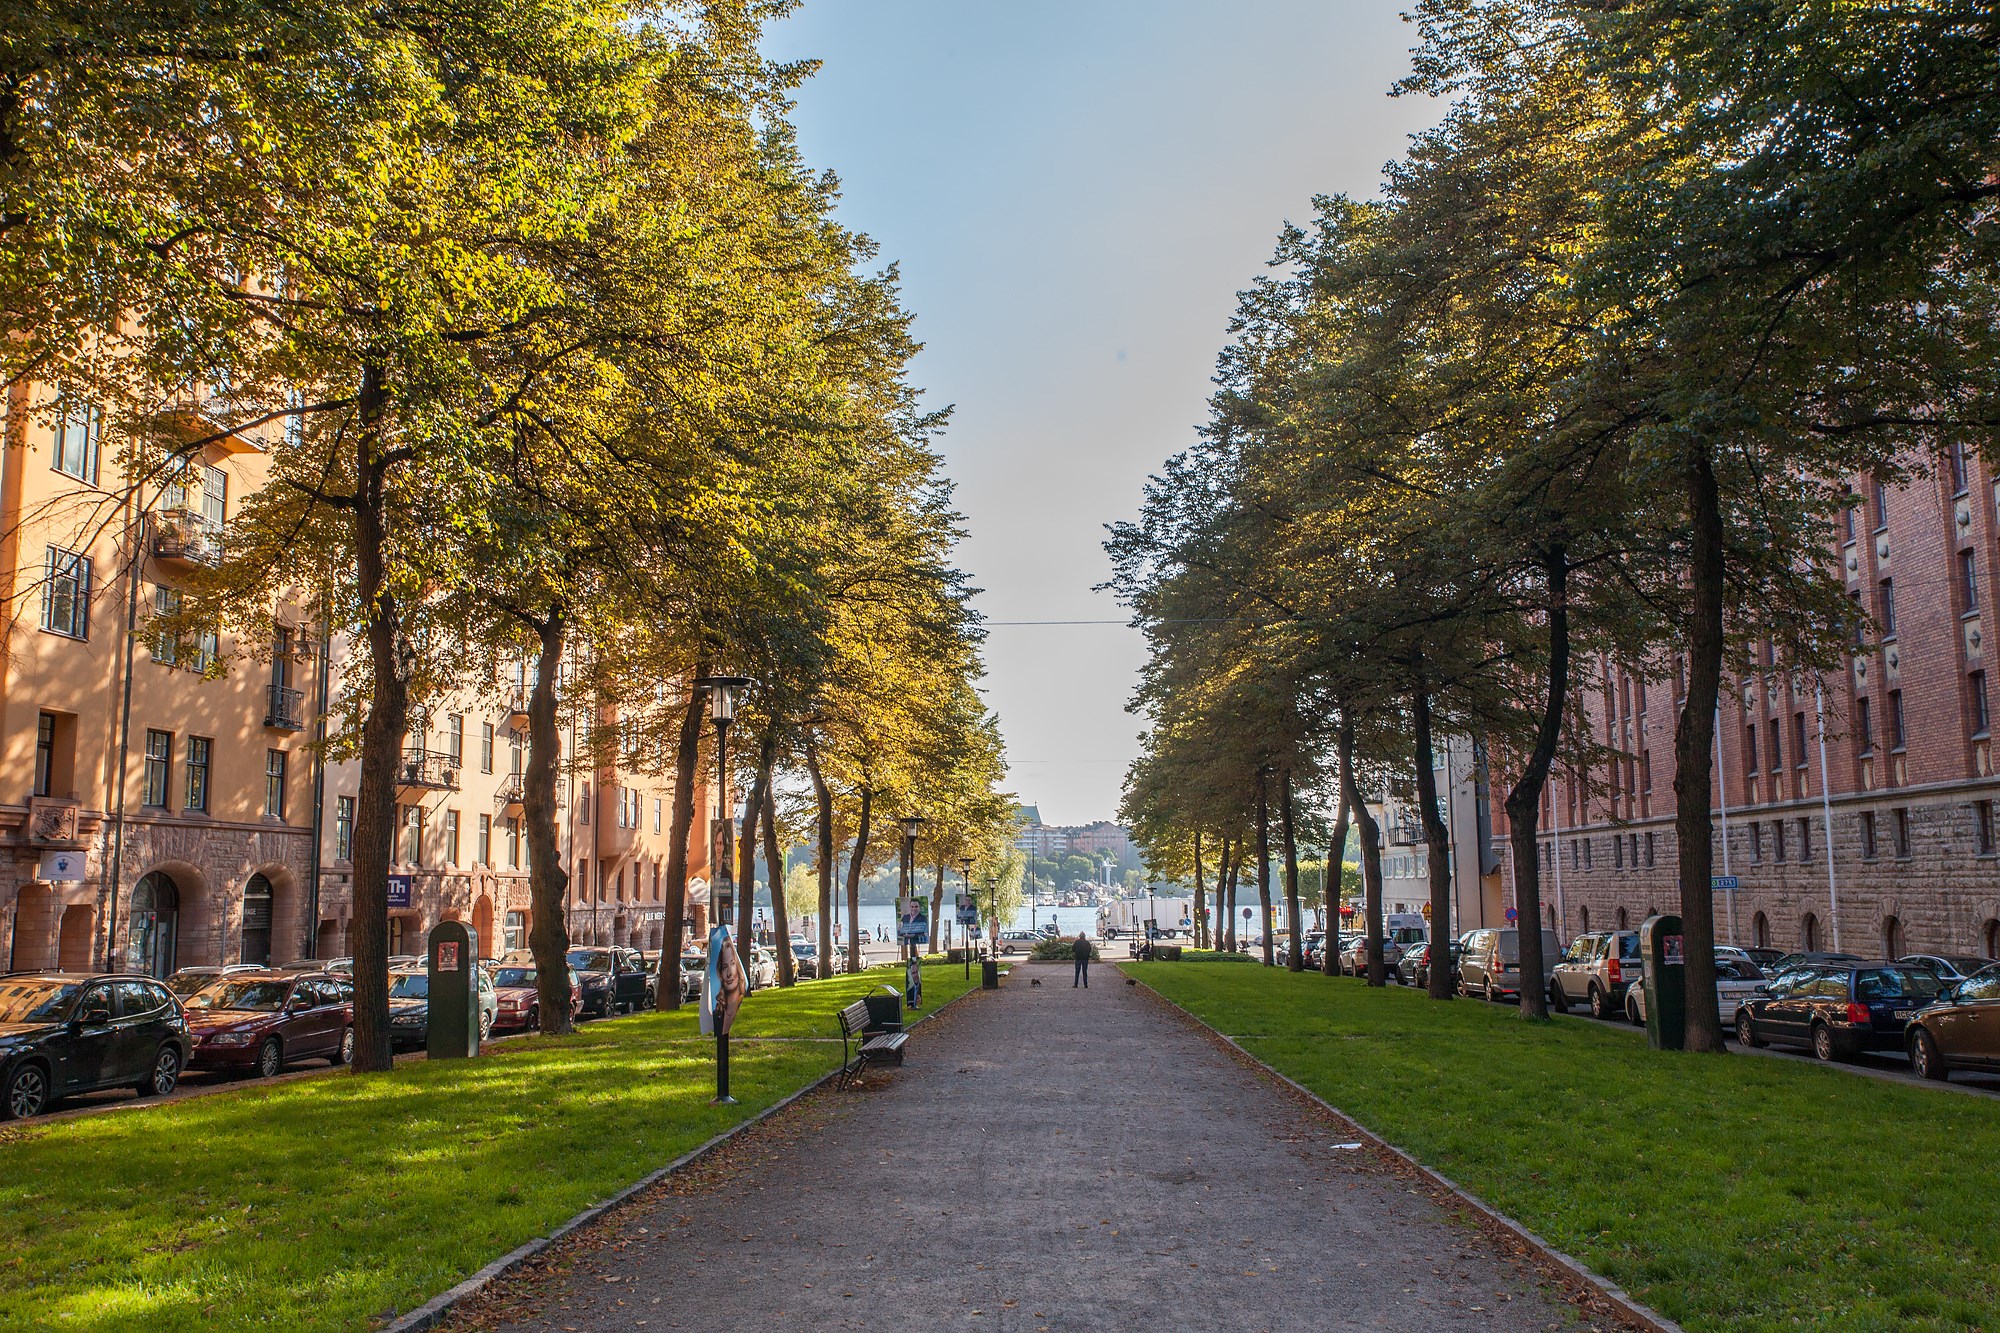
(534,1020)
(1925,1058)
(1557,1000)
(166,1075)
(1746,1031)
(27,1093)
(1632,1009)
(270,1058)
(1600,1003)
(1823,1047)
(485,1025)
(344,1055)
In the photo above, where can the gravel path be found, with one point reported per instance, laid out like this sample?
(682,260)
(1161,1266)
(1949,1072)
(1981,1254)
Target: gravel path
(1049,1159)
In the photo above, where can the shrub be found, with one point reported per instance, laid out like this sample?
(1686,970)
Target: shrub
(1058,950)
(1213,956)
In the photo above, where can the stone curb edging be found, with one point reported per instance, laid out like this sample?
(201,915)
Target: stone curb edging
(1643,1315)
(432,1312)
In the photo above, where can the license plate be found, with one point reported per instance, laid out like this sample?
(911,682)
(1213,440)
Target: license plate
(1904,1013)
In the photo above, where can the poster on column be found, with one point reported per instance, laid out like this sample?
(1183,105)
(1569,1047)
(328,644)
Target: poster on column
(968,910)
(913,920)
(726,984)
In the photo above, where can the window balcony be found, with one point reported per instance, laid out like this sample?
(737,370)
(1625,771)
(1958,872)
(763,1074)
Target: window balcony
(428,770)
(285,709)
(513,793)
(517,707)
(183,537)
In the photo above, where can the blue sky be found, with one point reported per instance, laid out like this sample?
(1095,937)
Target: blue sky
(1075,193)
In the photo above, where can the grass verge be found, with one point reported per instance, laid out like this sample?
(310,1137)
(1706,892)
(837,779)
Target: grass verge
(322,1203)
(1728,1193)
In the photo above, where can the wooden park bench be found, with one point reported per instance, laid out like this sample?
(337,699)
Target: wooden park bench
(859,1049)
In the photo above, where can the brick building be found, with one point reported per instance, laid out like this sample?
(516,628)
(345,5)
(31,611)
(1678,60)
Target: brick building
(1895,750)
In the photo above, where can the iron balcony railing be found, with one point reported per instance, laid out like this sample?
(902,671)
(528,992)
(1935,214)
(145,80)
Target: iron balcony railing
(285,709)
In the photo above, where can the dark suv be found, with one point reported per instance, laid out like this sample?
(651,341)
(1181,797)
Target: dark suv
(62,1033)
(612,979)
(1837,1009)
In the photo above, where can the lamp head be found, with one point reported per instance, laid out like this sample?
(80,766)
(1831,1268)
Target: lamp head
(722,692)
(912,825)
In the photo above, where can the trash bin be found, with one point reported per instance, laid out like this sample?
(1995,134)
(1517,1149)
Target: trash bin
(885,1010)
(1661,945)
(989,975)
(452,967)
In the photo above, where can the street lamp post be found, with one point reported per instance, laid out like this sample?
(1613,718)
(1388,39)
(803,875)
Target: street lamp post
(912,983)
(722,861)
(965,869)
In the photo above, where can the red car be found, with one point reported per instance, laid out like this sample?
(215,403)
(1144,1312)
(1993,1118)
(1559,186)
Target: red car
(261,1021)
(520,1004)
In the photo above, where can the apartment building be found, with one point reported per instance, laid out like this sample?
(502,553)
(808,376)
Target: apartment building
(1853,811)
(167,805)
(1476,887)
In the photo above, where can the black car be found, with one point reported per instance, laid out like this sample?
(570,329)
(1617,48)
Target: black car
(1960,1031)
(1838,1009)
(1414,967)
(613,980)
(62,1033)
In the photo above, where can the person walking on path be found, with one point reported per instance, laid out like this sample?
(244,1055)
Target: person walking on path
(1081,951)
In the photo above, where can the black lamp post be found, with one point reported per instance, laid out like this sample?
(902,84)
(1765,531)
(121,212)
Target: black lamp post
(722,854)
(965,869)
(912,825)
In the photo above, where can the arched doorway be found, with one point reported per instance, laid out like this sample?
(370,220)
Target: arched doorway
(482,923)
(154,935)
(257,921)
(1760,931)
(1809,933)
(73,941)
(1894,945)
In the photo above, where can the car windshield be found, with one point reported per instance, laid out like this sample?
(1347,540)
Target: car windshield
(514,976)
(187,983)
(1965,967)
(590,960)
(1406,935)
(32,1001)
(1737,969)
(804,950)
(410,986)
(1896,983)
(263,996)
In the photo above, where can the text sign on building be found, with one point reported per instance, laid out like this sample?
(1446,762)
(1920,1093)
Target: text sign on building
(1723,882)
(399,890)
(60,868)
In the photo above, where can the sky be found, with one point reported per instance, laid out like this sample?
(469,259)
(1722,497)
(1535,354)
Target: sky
(1075,193)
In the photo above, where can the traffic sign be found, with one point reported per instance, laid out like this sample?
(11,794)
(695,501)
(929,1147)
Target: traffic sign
(1427,911)
(1723,882)
(1512,916)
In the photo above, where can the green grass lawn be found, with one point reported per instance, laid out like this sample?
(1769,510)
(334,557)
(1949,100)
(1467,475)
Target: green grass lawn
(319,1203)
(1726,1192)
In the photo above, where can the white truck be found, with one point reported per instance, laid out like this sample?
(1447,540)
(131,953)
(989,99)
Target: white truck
(1128,916)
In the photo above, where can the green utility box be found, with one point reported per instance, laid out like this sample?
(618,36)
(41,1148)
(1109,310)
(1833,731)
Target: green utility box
(452,1031)
(1660,942)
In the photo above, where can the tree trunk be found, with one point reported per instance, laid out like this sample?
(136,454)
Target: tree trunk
(1336,854)
(1295,957)
(781,911)
(1524,801)
(937,905)
(548,882)
(1437,838)
(1694,736)
(1371,863)
(1200,898)
(381,734)
(823,795)
(746,861)
(854,881)
(1264,862)
(687,763)
(1232,862)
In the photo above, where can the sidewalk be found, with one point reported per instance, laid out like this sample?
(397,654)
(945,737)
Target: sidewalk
(1049,1159)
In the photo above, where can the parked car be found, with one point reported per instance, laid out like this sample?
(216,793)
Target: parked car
(694,964)
(410,1007)
(763,969)
(1414,967)
(187,980)
(612,980)
(1950,968)
(262,1020)
(62,1033)
(1597,970)
(1961,1030)
(1837,1009)
(1019,941)
(1491,963)
(517,1005)
(1765,958)
(1737,982)
(805,957)
(1791,960)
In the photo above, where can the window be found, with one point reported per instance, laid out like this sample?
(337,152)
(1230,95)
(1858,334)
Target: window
(485,747)
(513,842)
(485,853)
(1864,726)
(343,828)
(1756,842)
(1805,838)
(1798,740)
(514,755)
(454,738)
(1968,581)
(79,432)
(656,814)
(451,837)
(1975,691)
(413,835)
(66,593)
(1778,840)
(45,753)
(1848,502)
(1982,827)
(1617,853)
(159,758)
(1885,607)
(1649,851)
(1897,734)
(1775,735)
(1646,771)
(1960,478)
(1900,818)
(1586,853)
(166,603)
(1881,504)
(196,795)
(583,814)
(274,784)
(1749,752)
(1857,622)
(1868,847)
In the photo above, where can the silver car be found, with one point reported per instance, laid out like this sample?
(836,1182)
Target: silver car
(1736,981)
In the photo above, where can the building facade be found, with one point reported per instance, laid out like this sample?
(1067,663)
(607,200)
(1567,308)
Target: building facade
(1855,810)
(1477,889)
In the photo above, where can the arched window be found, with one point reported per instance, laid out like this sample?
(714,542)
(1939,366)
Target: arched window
(1992,934)
(257,921)
(1893,943)
(1583,919)
(1760,931)
(1809,933)
(1623,919)
(154,926)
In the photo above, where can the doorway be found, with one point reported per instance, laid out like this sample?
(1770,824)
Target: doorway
(154,933)
(257,921)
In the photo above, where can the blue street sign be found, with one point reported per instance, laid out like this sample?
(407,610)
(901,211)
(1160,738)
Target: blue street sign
(399,890)
(1724,882)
